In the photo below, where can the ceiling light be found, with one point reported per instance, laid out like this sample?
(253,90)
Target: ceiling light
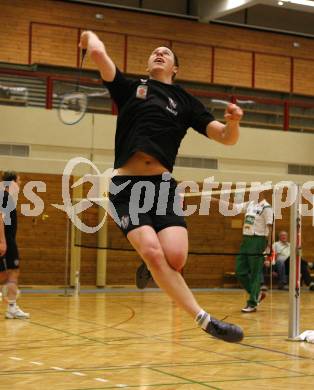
(307,3)
(99,16)
(280,2)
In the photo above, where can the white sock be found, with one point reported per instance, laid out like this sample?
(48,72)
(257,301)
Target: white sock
(12,305)
(202,319)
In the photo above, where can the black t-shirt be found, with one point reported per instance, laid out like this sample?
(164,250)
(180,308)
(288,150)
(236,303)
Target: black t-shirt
(10,215)
(153,118)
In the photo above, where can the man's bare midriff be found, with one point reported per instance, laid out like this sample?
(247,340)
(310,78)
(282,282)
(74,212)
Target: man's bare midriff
(141,164)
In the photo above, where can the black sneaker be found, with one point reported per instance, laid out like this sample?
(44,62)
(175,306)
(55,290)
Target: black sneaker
(143,276)
(224,331)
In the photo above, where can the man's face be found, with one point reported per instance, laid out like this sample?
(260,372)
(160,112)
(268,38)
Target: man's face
(15,186)
(262,195)
(283,236)
(257,195)
(161,61)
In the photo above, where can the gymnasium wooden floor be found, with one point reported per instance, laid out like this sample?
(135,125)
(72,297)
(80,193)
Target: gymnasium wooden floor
(130,339)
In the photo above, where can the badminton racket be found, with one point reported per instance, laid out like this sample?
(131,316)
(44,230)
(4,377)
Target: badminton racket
(73,105)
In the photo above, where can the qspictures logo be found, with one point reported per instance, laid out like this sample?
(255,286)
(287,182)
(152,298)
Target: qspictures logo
(144,195)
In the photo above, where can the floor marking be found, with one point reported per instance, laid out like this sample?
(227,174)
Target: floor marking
(101,380)
(78,373)
(122,385)
(15,358)
(58,368)
(37,363)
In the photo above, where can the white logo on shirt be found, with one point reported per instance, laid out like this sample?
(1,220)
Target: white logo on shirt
(172,103)
(172,106)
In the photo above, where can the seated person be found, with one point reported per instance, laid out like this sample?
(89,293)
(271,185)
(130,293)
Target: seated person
(282,251)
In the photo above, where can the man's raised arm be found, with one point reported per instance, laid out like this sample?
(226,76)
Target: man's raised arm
(227,134)
(97,52)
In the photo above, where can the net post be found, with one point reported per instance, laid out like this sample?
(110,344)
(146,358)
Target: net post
(75,250)
(295,262)
(102,234)
(66,292)
(77,284)
(102,242)
(273,239)
(75,265)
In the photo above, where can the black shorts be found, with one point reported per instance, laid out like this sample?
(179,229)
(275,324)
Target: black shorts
(11,259)
(145,200)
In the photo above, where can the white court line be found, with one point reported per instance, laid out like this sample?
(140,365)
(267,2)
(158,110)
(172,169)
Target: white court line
(78,373)
(15,358)
(37,363)
(58,368)
(101,380)
(122,385)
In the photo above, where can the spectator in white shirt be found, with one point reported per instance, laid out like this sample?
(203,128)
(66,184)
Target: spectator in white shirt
(256,241)
(282,252)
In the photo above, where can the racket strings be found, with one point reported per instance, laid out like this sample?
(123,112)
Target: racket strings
(73,105)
